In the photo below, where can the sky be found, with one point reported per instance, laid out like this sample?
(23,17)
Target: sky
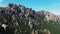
(52,6)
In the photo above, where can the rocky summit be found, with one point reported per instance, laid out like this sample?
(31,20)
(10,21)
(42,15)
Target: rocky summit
(17,19)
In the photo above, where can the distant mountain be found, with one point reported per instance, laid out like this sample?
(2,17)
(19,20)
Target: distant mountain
(49,16)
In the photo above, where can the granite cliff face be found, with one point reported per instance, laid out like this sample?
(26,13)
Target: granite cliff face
(18,19)
(22,20)
(50,16)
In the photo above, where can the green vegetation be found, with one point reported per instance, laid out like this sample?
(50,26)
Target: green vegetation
(53,27)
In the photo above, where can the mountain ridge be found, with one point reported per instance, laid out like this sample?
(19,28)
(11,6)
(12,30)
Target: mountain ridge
(22,20)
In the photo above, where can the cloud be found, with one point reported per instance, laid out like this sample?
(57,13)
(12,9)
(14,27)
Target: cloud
(1,1)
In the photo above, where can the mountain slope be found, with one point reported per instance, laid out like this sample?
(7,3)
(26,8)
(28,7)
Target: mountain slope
(17,19)
(50,16)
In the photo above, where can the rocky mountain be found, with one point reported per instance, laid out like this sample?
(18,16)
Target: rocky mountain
(50,16)
(17,19)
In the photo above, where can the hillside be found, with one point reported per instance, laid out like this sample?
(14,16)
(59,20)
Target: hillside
(17,19)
